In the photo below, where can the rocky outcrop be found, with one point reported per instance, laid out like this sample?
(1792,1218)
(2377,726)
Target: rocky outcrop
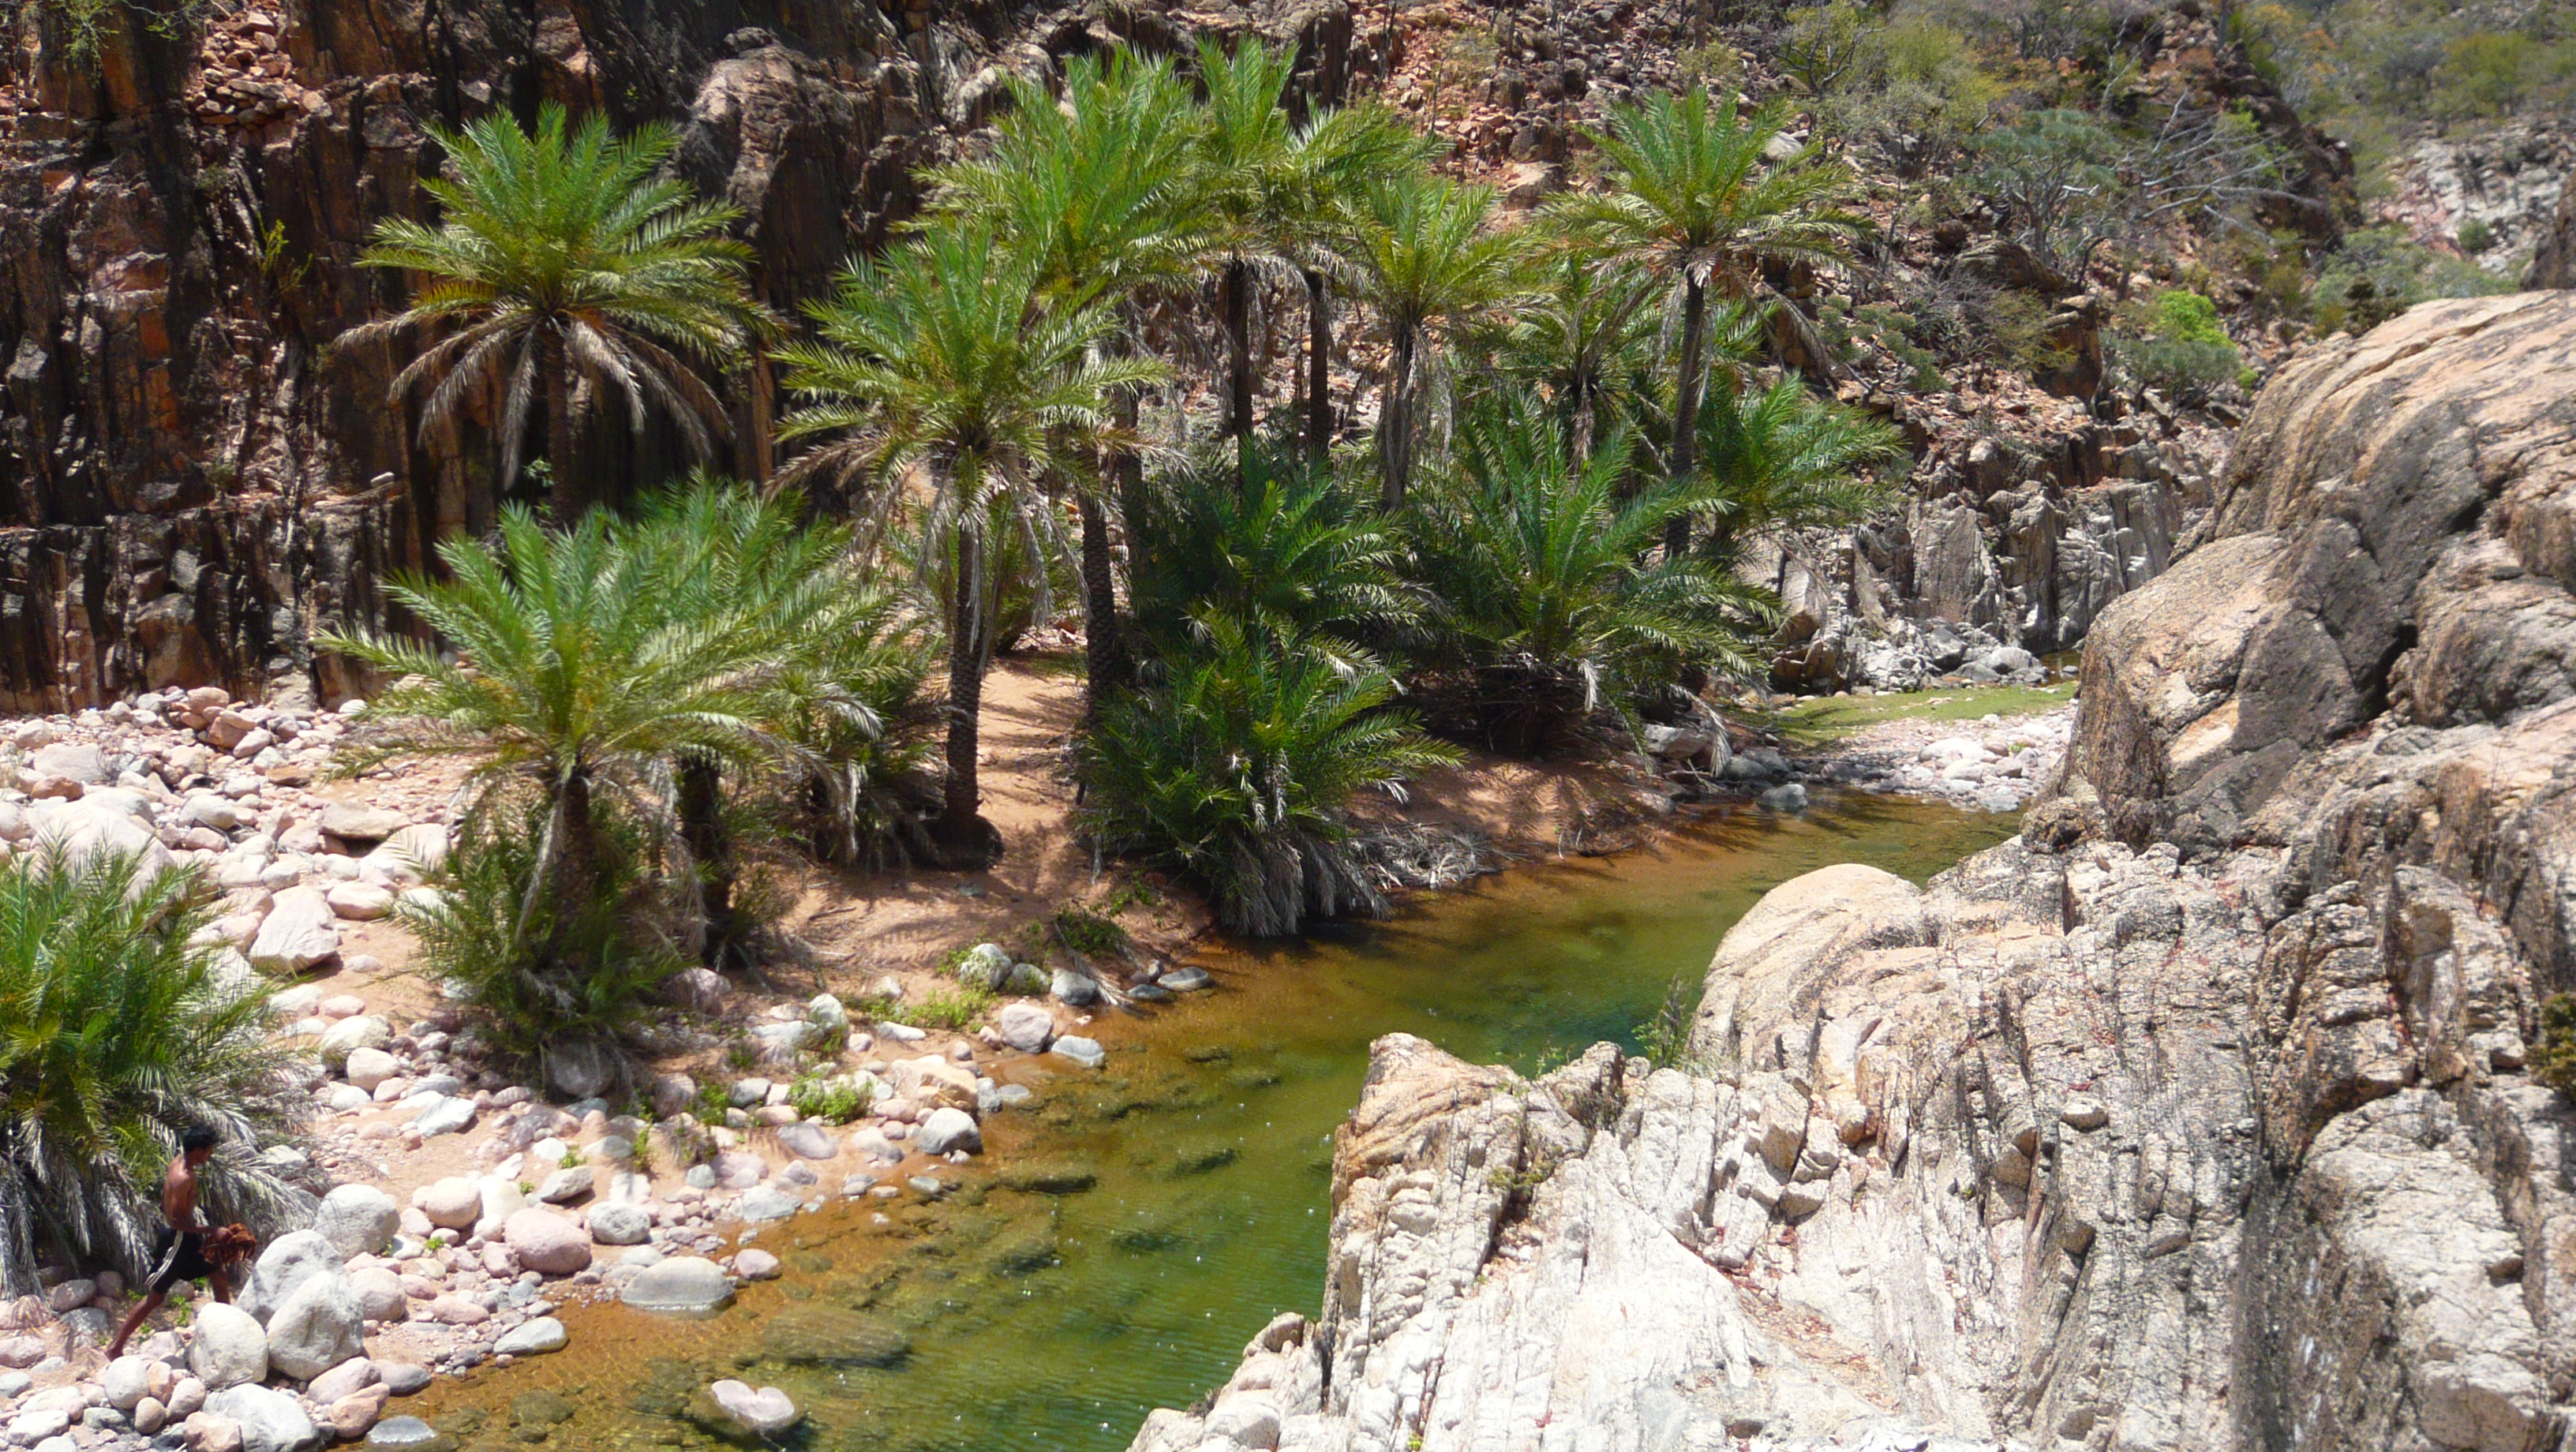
(191,480)
(2100,1141)
(2003,545)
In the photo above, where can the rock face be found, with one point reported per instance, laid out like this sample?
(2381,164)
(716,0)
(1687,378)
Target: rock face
(2101,1141)
(193,483)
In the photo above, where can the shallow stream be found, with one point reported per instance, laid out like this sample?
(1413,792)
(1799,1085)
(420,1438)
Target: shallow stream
(1024,1312)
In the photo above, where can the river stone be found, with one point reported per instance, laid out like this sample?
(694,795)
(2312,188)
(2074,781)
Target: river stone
(405,1434)
(283,1268)
(1027,1027)
(1063,1175)
(402,1378)
(535,1338)
(126,1382)
(354,1375)
(763,1413)
(271,1421)
(1187,980)
(1075,990)
(547,1243)
(368,1067)
(411,855)
(228,1346)
(986,966)
(450,1204)
(299,932)
(808,1141)
(813,1335)
(564,1186)
(755,1265)
(1083,1051)
(767,1202)
(445,1114)
(380,1293)
(205,1432)
(684,1285)
(617,1224)
(1787,797)
(357,1220)
(317,1327)
(348,1418)
(950,1129)
(360,902)
(358,823)
(581,1069)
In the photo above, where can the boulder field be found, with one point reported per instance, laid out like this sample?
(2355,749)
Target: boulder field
(2199,1116)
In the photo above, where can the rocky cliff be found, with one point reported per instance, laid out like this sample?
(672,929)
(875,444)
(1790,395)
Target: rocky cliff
(2197,1117)
(191,480)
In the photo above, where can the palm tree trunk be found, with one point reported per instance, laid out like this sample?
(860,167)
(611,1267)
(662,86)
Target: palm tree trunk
(1395,424)
(1235,301)
(1686,395)
(576,869)
(1319,369)
(701,811)
(965,839)
(1103,650)
(561,441)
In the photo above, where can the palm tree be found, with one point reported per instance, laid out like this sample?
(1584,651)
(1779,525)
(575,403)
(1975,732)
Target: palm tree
(115,1036)
(1550,610)
(1295,560)
(1275,194)
(1425,256)
(1780,458)
(846,667)
(1697,202)
(563,263)
(578,668)
(1235,770)
(939,373)
(1096,186)
(1584,337)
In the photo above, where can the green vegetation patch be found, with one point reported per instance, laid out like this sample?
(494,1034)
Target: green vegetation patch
(1831,718)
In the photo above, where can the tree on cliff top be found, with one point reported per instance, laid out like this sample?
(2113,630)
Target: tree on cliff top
(564,265)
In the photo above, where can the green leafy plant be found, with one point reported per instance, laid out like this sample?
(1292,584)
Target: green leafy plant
(2553,1055)
(952,1009)
(834,1099)
(544,972)
(1089,933)
(1233,770)
(2185,351)
(115,1036)
(1554,608)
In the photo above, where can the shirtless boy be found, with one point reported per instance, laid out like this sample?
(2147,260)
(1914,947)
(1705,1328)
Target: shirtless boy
(184,1243)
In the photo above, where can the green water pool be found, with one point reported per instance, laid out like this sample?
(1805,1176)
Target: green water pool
(1132,1229)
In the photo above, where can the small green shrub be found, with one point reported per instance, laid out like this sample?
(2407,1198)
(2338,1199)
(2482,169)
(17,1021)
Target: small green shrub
(835,1099)
(2186,351)
(2553,1058)
(711,1103)
(541,975)
(2475,236)
(1088,933)
(952,1009)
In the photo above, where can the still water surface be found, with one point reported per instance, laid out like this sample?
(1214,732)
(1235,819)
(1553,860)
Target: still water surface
(1029,1318)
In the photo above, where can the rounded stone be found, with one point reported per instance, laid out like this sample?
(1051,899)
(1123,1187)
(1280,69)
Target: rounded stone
(546,1243)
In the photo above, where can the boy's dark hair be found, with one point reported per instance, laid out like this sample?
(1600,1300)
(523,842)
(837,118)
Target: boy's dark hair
(198,1137)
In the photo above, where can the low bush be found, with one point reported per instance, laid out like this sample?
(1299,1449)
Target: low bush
(952,1009)
(1233,772)
(2553,1058)
(543,975)
(834,1099)
(2184,352)
(115,1036)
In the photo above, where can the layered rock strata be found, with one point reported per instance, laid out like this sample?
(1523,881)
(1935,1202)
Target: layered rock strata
(2198,1117)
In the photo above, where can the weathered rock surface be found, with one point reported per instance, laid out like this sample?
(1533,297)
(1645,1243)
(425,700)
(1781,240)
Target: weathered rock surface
(2099,1141)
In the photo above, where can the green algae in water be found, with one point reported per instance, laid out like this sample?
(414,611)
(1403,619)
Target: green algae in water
(1033,1317)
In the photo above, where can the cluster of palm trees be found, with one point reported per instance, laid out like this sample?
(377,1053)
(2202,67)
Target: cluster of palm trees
(1571,442)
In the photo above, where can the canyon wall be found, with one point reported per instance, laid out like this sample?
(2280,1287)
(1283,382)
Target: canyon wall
(192,480)
(2199,1116)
